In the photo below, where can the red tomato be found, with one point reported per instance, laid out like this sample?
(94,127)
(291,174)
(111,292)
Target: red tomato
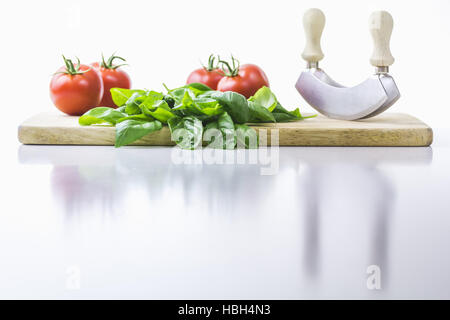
(112,78)
(247,81)
(210,78)
(75,89)
(209,75)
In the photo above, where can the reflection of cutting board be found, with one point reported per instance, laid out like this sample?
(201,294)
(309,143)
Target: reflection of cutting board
(387,129)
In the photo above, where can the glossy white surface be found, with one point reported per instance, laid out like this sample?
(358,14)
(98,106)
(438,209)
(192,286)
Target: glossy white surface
(136,225)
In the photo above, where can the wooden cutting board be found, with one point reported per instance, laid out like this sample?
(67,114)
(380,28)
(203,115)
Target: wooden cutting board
(387,129)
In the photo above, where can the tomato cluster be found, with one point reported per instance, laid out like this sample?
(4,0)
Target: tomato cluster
(245,79)
(77,88)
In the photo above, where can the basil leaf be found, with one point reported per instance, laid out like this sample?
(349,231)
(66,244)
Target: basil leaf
(120,96)
(170,101)
(208,106)
(151,98)
(188,98)
(246,137)
(225,132)
(282,115)
(162,115)
(279,109)
(265,98)
(141,117)
(187,132)
(129,131)
(235,104)
(179,94)
(160,111)
(205,102)
(187,107)
(101,115)
(212,125)
(132,104)
(188,113)
(197,88)
(299,116)
(226,126)
(121,109)
(210,94)
(259,113)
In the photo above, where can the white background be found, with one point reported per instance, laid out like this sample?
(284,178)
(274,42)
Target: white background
(164,40)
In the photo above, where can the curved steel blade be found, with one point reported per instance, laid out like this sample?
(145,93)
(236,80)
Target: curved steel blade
(392,92)
(339,102)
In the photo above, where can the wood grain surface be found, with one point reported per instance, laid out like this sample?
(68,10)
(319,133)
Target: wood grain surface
(387,129)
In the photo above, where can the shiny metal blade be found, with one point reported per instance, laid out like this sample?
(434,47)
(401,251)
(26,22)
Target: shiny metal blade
(392,92)
(338,102)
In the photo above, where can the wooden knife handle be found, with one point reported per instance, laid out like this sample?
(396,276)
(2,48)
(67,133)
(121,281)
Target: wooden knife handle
(313,24)
(380,26)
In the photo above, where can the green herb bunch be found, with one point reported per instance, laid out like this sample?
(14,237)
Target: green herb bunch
(195,108)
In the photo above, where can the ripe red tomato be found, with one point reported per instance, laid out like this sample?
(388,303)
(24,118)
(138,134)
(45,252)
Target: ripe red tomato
(112,78)
(246,80)
(210,78)
(75,89)
(209,75)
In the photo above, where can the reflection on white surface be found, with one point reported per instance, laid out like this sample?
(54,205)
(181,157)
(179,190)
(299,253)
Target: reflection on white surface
(138,226)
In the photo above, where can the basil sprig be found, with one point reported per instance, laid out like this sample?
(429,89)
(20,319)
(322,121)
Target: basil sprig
(189,112)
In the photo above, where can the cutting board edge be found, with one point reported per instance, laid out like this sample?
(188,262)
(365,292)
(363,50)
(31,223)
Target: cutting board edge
(339,137)
(410,132)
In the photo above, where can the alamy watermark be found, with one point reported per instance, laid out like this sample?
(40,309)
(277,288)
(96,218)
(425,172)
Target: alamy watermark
(373,281)
(73,278)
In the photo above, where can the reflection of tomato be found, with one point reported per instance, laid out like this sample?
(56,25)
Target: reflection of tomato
(209,75)
(112,77)
(75,89)
(247,81)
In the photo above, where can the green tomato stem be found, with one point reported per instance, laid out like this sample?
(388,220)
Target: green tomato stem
(231,71)
(109,63)
(70,67)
